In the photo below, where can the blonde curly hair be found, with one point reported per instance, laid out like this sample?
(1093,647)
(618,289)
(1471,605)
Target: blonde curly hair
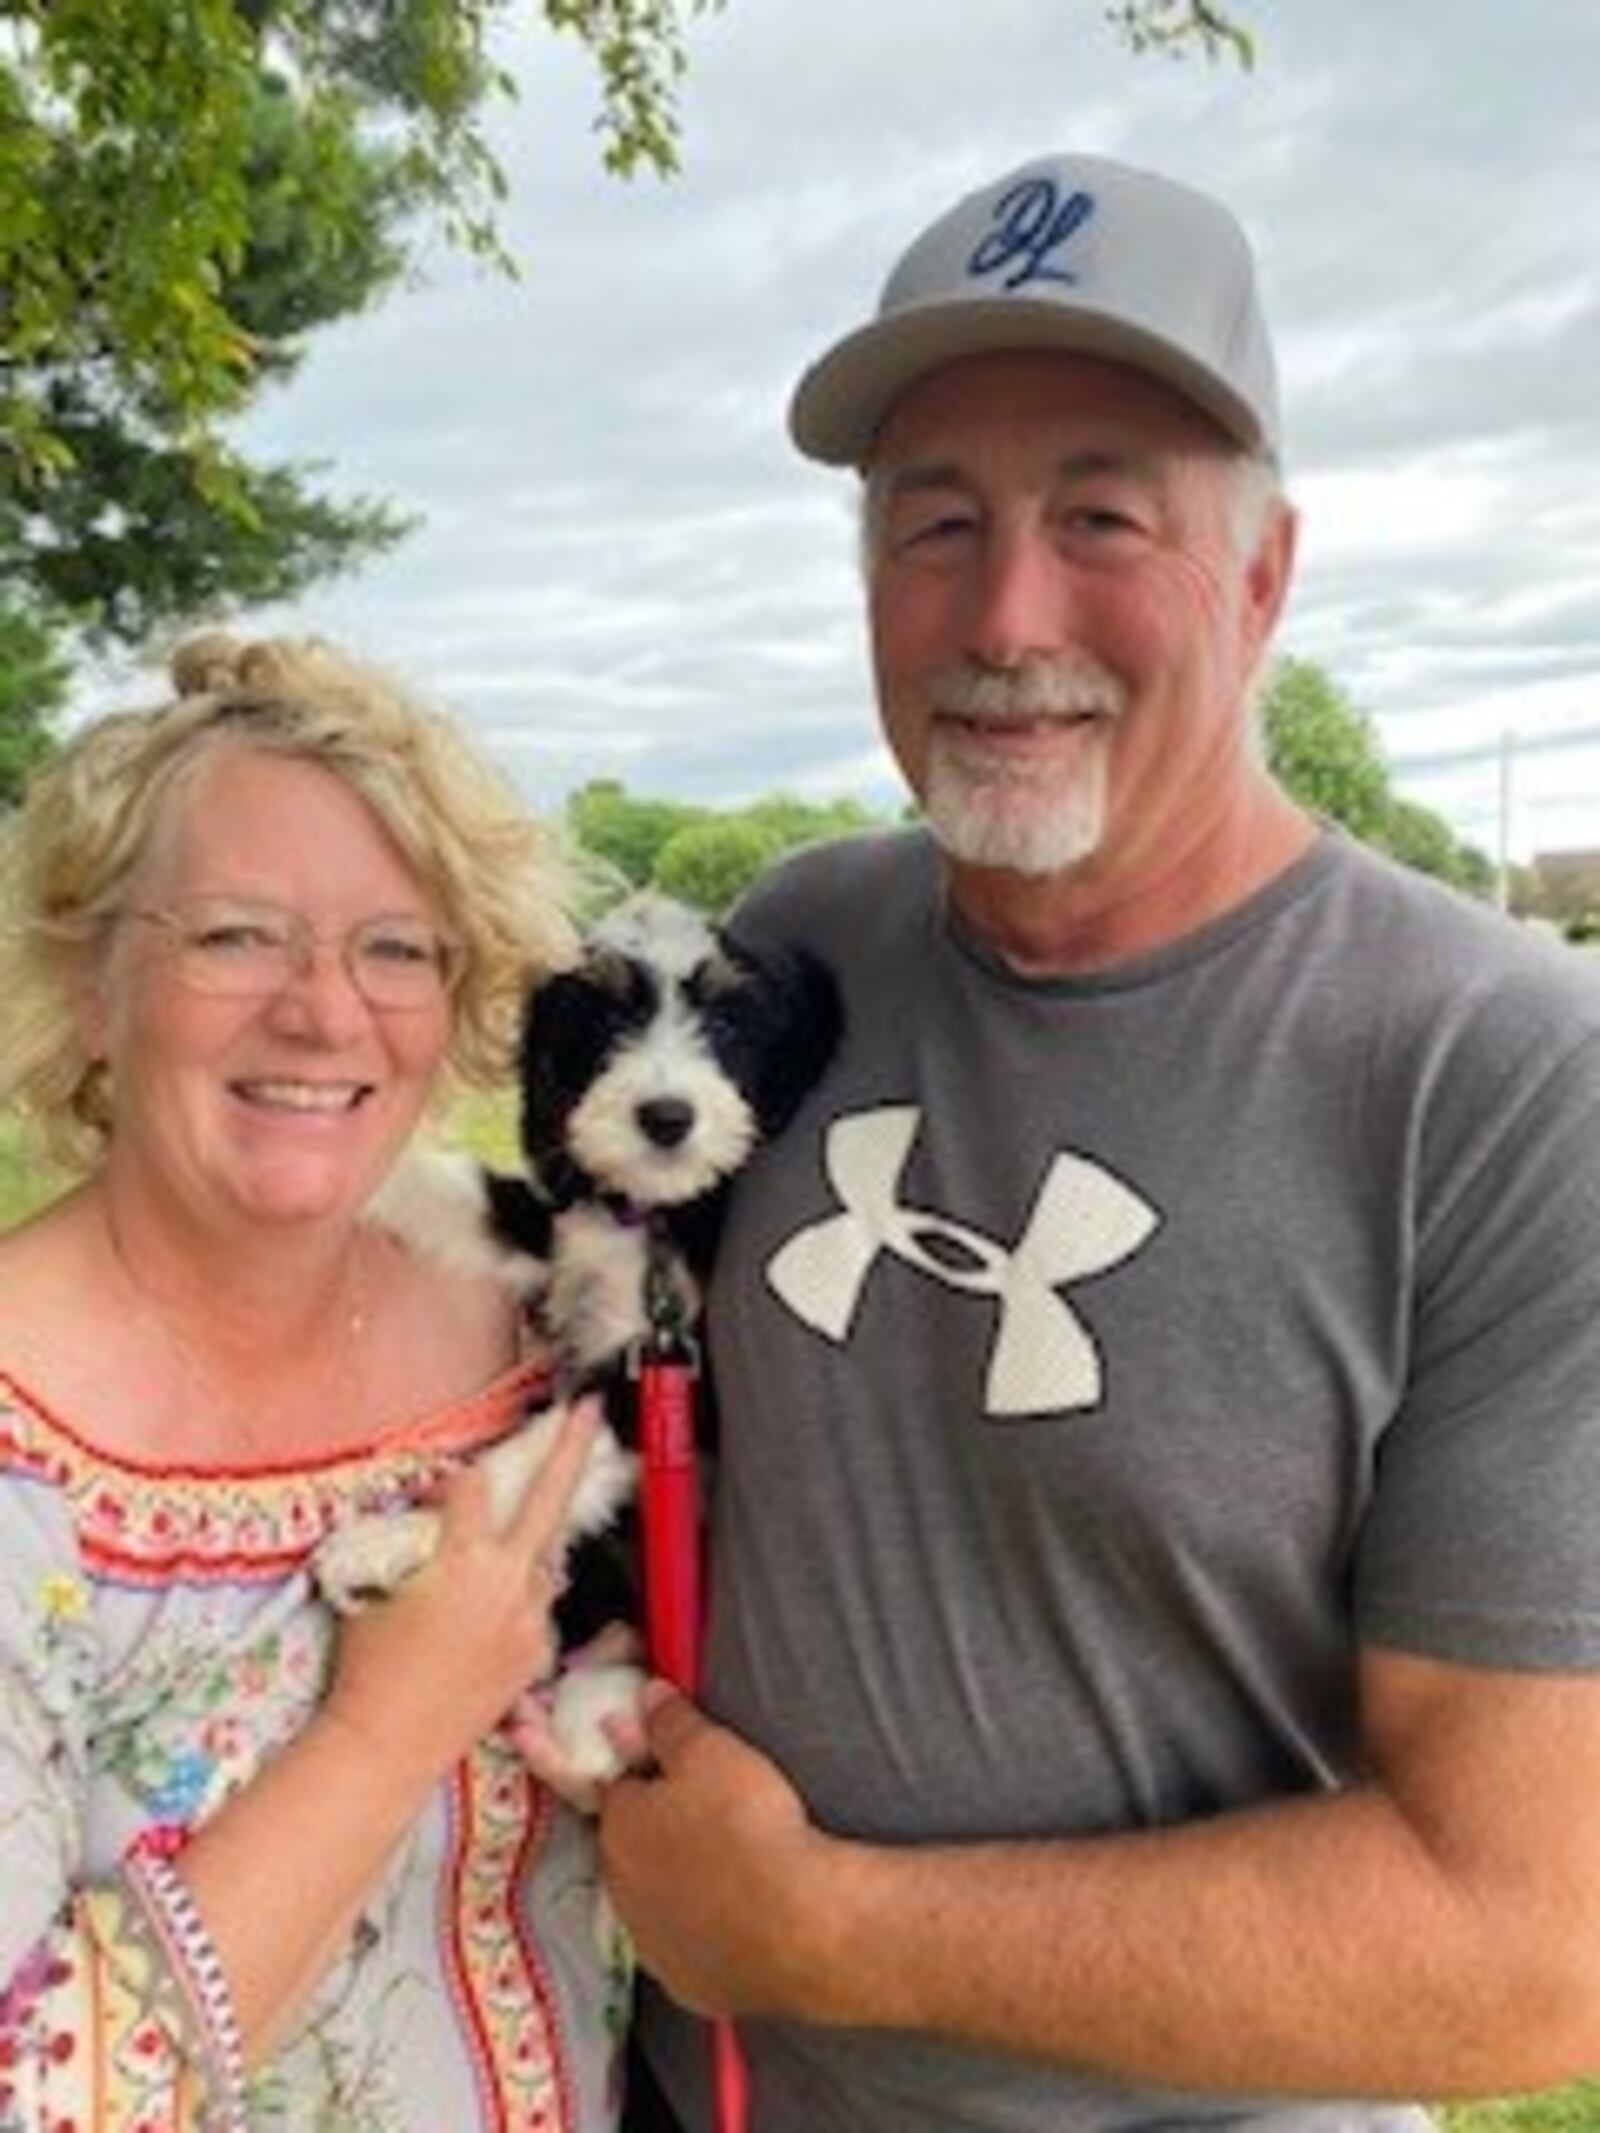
(502,882)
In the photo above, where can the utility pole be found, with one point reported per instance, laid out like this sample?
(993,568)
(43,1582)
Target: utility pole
(1508,745)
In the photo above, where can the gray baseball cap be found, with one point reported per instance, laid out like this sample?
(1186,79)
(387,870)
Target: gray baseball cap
(1069,252)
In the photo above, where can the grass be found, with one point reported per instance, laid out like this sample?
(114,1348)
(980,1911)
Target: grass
(486,1127)
(1570,2110)
(24,1185)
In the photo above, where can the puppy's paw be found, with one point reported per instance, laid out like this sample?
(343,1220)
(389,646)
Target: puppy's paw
(564,1733)
(369,1558)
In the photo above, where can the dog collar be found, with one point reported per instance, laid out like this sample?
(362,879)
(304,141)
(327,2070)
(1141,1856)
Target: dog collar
(628,1213)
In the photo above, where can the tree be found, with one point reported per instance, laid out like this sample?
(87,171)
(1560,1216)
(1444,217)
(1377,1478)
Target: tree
(1424,840)
(118,517)
(710,864)
(130,134)
(33,684)
(707,856)
(1323,750)
(791,822)
(186,191)
(1326,753)
(1178,26)
(625,833)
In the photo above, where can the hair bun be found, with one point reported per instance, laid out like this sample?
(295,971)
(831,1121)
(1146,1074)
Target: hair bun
(207,664)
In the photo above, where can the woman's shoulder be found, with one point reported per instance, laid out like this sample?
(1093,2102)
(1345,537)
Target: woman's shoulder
(39,1275)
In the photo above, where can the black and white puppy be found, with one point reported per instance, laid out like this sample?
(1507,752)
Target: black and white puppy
(648,1075)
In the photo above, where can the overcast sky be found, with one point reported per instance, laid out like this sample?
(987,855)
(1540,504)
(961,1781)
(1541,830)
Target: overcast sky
(625,570)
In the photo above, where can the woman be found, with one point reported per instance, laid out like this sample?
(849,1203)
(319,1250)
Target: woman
(259,1873)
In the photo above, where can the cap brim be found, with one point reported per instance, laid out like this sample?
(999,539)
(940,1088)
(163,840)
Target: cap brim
(840,403)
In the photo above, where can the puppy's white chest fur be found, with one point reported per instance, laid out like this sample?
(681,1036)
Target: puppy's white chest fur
(598,1284)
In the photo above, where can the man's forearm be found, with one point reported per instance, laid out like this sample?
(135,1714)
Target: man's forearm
(1435,1932)
(1309,1948)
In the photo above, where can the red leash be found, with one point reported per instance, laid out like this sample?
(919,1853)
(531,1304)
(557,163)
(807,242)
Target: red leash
(671,1507)
(670,1501)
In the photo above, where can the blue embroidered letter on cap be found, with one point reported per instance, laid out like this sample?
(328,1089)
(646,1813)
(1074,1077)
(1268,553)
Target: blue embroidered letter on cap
(1031,221)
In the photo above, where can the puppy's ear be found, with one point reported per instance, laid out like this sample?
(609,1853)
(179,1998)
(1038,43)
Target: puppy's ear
(556,1059)
(608,970)
(722,972)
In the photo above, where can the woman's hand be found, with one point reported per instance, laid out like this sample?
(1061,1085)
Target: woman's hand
(428,1671)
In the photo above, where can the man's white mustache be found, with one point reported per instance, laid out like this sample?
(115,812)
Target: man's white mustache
(1039,689)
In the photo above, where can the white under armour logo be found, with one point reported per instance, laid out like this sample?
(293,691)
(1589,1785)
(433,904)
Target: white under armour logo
(1084,1221)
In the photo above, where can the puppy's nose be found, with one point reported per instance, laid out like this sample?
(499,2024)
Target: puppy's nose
(665,1120)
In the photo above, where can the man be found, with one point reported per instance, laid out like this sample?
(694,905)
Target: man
(1157,1602)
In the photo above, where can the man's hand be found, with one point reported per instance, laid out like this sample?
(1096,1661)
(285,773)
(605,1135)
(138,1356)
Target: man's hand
(715,1869)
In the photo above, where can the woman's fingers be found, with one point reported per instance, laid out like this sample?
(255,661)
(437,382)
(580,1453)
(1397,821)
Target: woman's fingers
(466,1497)
(538,1526)
(462,1499)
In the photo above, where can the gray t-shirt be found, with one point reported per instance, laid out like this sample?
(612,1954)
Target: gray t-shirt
(1102,1359)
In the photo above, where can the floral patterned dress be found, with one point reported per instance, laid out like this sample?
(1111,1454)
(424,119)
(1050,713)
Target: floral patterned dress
(159,1640)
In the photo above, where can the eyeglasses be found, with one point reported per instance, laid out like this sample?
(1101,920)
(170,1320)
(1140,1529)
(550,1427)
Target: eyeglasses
(238,950)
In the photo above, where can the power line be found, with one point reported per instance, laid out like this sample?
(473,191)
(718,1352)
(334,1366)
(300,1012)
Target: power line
(1491,751)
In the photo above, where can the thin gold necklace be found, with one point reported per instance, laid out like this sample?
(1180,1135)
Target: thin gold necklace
(337,1385)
